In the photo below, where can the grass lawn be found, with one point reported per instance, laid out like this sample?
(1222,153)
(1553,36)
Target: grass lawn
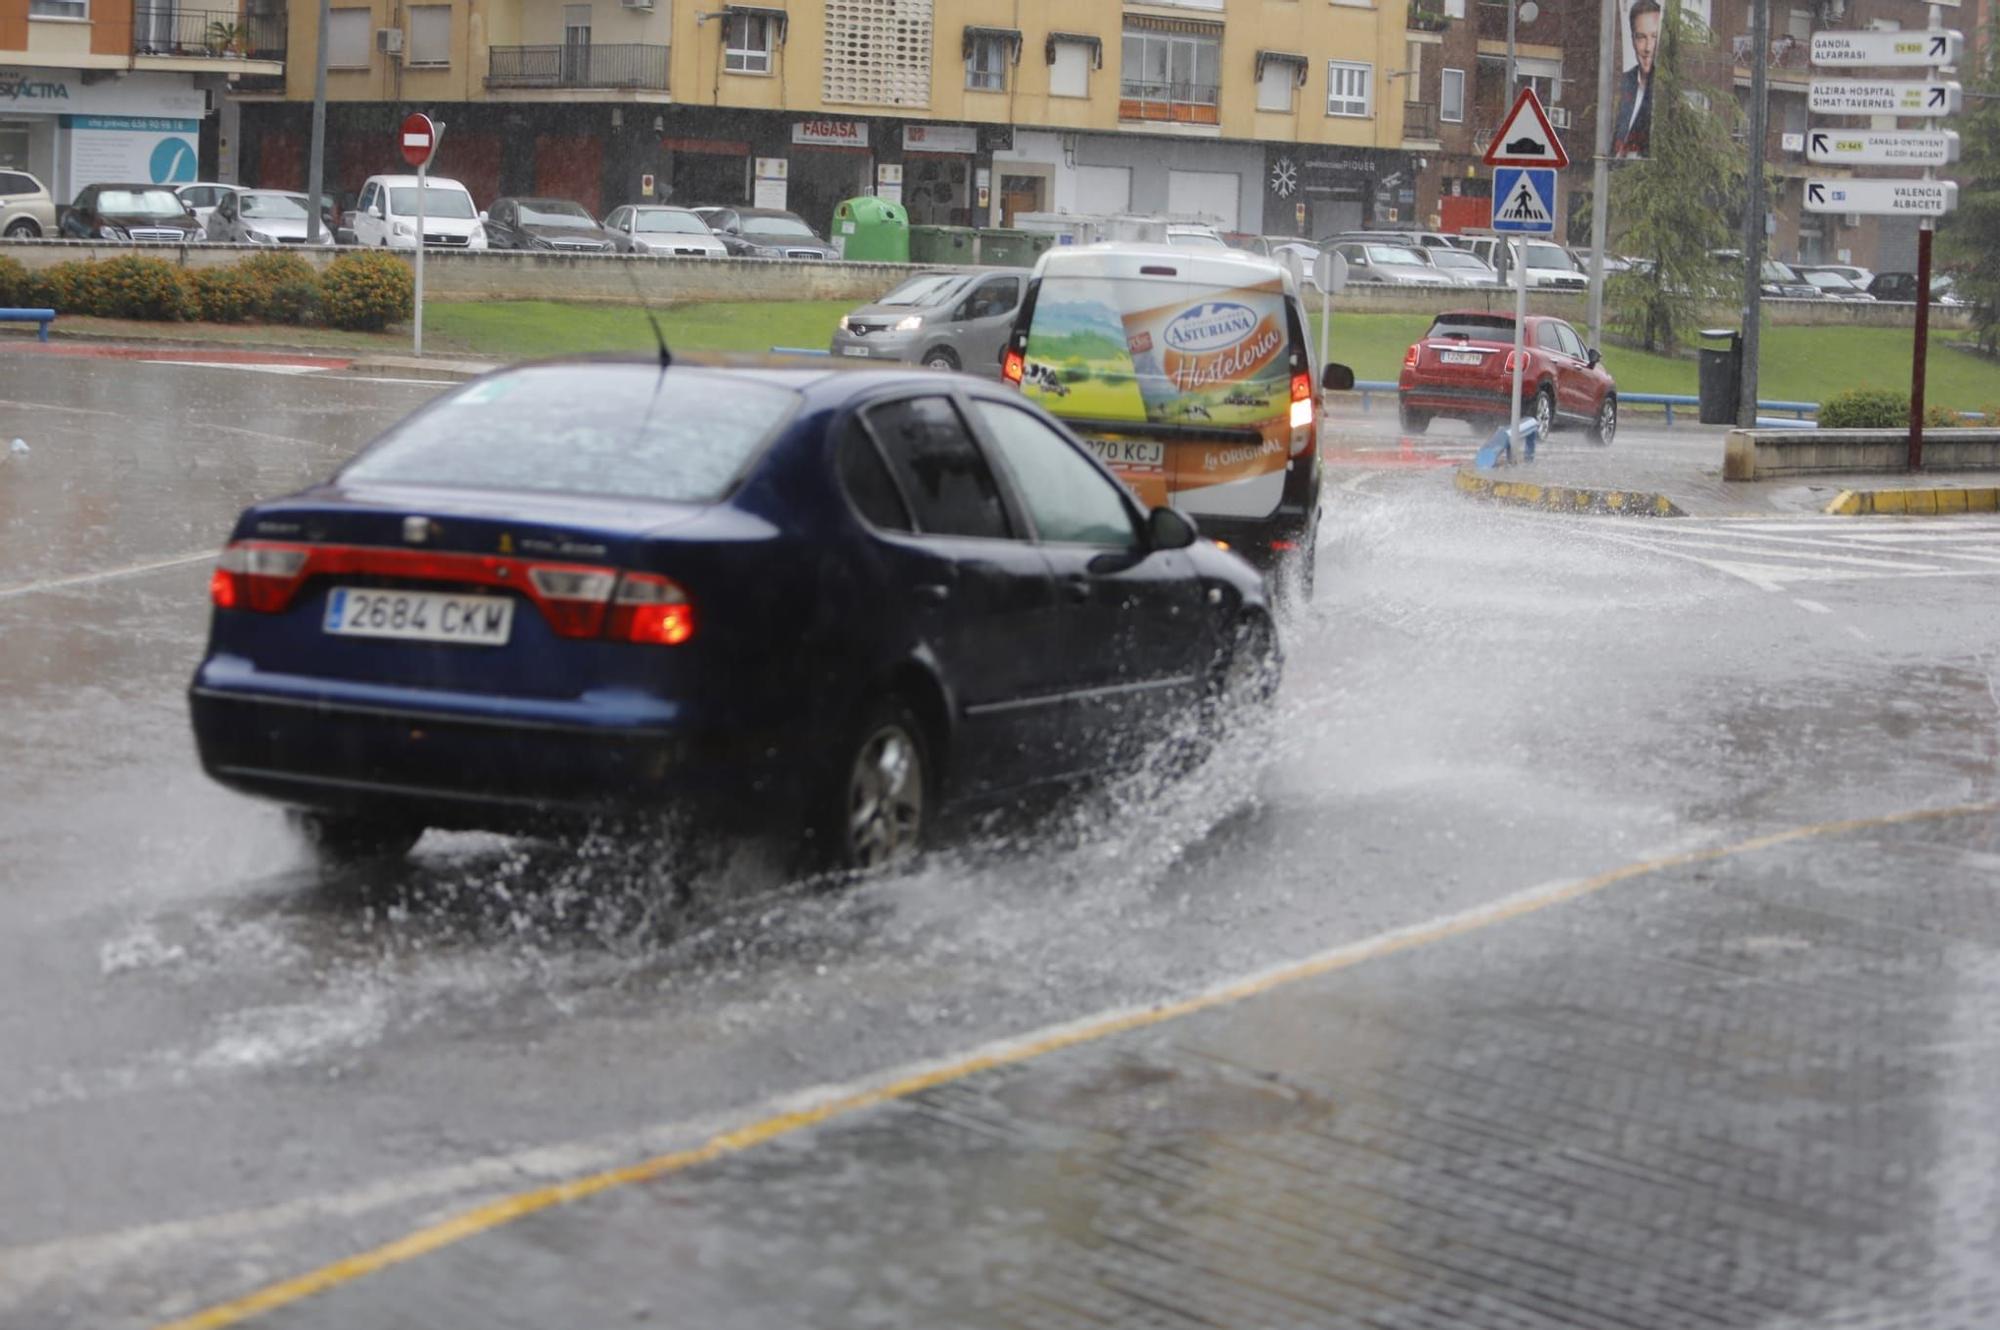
(513,330)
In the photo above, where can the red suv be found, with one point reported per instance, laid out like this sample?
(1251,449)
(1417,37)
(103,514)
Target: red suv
(1464,367)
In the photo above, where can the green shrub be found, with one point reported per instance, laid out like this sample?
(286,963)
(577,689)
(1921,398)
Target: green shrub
(224,295)
(1865,408)
(13,282)
(266,274)
(294,300)
(367,291)
(68,288)
(134,287)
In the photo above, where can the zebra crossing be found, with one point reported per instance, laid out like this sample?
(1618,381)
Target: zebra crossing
(1787,553)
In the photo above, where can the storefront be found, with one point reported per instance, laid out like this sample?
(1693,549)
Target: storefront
(70,131)
(1312,190)
(940,174)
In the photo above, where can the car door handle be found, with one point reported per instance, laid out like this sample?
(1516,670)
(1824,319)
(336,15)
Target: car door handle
(932,593)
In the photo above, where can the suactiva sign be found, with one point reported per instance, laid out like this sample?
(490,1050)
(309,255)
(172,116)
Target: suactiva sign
(941,138)
(51,92)
(1883,198)
(830,133)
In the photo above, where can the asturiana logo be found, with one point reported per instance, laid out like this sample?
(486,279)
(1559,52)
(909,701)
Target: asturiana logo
(14,87)
(1211,327)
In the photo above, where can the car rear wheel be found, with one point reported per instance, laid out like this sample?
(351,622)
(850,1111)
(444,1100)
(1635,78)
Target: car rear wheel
(940,357)
(24,228)
(874,816)
(1606,427)
(346,838)
(1415,421)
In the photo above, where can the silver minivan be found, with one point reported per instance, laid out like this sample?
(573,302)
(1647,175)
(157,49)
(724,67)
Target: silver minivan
(944,320)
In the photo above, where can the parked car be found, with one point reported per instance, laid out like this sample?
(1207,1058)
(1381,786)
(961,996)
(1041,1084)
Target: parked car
(1833,286)
(263,217)
(1274,247)
(144,214)
(814,600)
(1398,236)
(1462,367)
(766,233)
(1191,375)
(1398,265)
(1902,286)
(554,224)
(386,214)
(1775,279)
(953,320)
(1852,272)
(26,210)
(646,228)
(202,197)
(1463,266)
(1548,265)
(1193,235)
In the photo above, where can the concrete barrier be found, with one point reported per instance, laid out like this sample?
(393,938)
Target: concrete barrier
(609,278)
(1755,454)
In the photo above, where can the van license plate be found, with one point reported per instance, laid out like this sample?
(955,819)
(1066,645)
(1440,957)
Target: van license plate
(1461,357)
(854,350)
(1139,454)
(420,616)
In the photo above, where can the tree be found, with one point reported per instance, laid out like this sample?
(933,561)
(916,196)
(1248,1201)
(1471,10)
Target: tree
(1968,241)
(1677,204)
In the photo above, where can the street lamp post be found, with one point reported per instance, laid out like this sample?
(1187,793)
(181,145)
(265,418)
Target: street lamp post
(315,171)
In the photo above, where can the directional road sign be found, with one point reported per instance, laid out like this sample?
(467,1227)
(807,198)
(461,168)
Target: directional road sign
(1862,97)
(418,137)
(1524,200)
(1883,198)
(1917,49)
(1901,147)
(1526,137)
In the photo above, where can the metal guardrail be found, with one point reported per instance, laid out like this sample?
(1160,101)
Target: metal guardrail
(168,29)
(606,65)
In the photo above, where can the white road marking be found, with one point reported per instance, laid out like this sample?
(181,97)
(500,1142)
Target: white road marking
(84,579)
(257,369)
(1813,606)
(1774,554)
(1856,631)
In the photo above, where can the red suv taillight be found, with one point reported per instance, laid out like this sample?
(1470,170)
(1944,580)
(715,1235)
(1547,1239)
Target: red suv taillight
(1410,356)
(1513,361)
(577,600)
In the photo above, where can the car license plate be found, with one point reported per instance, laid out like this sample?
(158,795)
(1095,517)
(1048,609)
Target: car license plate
(1462,357)
(420,616)
(1140,454)
(854,350)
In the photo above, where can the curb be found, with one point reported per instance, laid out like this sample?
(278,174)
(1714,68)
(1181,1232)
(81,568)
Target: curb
(1915,503)
(410,367)
(1568,499)
(86,336)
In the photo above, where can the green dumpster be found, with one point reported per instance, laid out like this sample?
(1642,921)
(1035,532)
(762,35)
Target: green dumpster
(872,230)
(1010,248)
(941,244)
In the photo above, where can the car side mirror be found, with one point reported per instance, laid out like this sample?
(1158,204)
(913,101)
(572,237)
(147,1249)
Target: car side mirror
(1336,378)
(1170,529)
(482,215)
(1593,357)
(375,211)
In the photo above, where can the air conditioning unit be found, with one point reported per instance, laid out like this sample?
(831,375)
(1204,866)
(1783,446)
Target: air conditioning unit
(1850,220)
(1559,116)
(389,41)
(639,6)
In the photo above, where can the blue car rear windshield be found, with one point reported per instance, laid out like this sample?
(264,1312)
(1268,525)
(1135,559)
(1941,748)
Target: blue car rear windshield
(586,429)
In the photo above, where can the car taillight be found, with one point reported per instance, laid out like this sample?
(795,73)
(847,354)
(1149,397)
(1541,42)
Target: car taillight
(1302,401)
(252,575)
(651,609)
(1013,366)
(1514,362)
(1410,356)
(573,599)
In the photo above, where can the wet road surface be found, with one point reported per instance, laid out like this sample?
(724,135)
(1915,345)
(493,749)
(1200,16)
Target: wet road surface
(224,1071)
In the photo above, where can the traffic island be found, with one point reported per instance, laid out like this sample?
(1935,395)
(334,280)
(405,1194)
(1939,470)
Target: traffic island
(1568,498)
(1927,502)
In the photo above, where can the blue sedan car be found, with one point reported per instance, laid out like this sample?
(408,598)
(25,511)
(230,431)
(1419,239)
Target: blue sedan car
(829,601)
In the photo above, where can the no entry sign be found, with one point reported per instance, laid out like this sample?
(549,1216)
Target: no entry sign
(419,139)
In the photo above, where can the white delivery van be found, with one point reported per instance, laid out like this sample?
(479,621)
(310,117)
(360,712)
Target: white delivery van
(386,214)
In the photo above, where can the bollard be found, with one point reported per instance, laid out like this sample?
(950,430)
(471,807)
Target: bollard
(1500,446)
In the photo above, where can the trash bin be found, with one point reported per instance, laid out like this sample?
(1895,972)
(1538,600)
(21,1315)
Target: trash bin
(941,244)
(872,230)
(1721,376)
(1009,248)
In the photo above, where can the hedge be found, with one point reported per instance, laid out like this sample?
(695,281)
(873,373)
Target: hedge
(364,291)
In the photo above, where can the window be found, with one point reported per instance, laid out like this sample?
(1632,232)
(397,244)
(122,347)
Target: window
(1454,8)
(746,44)
(1451,97)
(58,8)
(348,33)
(1276,85)
(1347,88)
(986,63)
(1070,500)
(430,35)
(1572,345)
(12,184)
(1069,76)
(939,468)
(993,297)
(1170,76)
(869,486)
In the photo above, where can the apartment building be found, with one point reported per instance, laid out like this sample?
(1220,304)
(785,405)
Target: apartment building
(1280,116)
(96,90)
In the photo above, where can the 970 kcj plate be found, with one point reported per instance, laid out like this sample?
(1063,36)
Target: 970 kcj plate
(420,616)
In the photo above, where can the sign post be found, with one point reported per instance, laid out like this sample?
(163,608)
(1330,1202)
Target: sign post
(419,138)
(1525,155)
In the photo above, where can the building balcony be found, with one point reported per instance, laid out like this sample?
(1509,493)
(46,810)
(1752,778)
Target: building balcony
(612,65)
(1179,103)
(1426,16)
(171,32)
(1420,122)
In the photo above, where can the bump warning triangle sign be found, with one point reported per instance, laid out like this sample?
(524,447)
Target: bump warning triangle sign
(1526,138)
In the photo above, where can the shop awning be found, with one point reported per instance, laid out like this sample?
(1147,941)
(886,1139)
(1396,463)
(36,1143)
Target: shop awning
(1267,58)
(1185,27)
(778,17)
(1096,45)
(1011,36)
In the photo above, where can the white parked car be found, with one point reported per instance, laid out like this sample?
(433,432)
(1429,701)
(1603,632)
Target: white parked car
(386,214)
(203,196)
(26,210)
(645,228)
(262,217)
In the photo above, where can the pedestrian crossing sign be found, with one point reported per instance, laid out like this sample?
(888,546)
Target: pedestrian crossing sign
(1524,200)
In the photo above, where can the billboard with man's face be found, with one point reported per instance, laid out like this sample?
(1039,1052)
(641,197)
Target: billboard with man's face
(1632,124)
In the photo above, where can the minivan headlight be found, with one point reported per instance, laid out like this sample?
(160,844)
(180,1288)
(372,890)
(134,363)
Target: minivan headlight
(844,325)
(405,229)
(909,323)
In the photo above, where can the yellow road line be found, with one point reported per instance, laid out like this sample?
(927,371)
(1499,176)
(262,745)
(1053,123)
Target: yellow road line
(506,1209)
